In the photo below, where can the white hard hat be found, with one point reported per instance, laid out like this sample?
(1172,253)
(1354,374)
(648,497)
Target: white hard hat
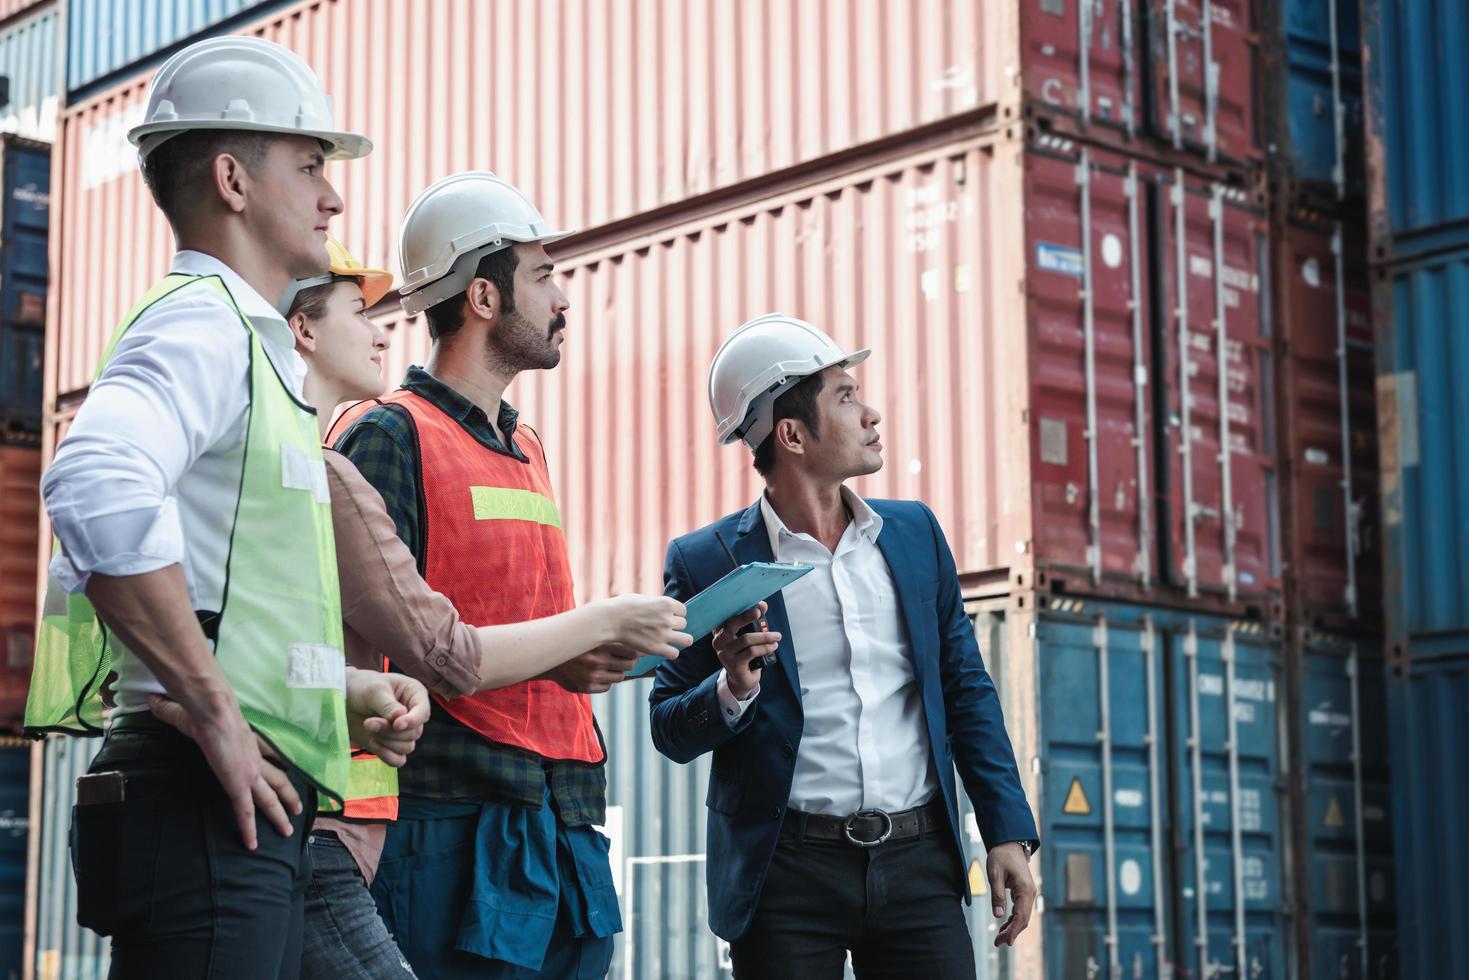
(243,83)
(757,363)
(453,224)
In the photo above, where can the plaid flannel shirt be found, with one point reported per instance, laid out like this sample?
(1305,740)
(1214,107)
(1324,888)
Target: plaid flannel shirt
(452,761)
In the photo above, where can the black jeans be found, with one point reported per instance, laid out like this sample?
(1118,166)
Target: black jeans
(896,907)
(165,874)
(346,939)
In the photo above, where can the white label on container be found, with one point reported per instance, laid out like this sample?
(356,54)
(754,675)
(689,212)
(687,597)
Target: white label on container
(1317,457)
(1111,250)
(1060,258)
(1311,272)
(1130,877)
(1130,798)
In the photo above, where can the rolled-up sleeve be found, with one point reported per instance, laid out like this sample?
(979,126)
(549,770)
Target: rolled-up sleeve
(177,383)
(388,610)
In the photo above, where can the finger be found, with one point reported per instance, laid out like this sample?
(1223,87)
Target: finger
(673,606)
(1024,905)
(680,640)
(268,805)
(374,725)
(281,783)
(169,712)
(997,890)
(741,620)
(243,803)
(678,622)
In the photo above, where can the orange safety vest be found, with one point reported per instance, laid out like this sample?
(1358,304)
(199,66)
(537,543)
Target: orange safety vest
(494,545)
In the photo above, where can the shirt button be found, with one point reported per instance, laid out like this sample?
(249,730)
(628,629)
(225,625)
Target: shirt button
(443,659)
(775,813)
(786,750)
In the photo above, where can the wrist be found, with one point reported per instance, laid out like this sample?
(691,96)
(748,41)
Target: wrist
(601,626)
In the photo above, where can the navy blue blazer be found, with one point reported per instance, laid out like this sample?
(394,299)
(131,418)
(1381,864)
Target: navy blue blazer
(750,779)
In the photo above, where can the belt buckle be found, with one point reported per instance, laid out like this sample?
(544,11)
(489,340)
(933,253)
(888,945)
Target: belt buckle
(847,827)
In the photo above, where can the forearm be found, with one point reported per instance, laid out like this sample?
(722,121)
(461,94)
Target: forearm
(151,615)
(515,652)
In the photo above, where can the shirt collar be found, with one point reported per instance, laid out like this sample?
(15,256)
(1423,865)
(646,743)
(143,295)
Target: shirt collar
(452,403)
(868,522)
(251,303)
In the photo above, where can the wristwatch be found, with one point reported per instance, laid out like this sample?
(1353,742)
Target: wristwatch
(1028,847)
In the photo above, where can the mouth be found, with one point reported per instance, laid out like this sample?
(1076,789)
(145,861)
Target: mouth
(377,359)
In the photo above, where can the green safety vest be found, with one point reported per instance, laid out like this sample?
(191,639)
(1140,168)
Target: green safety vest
(279,638)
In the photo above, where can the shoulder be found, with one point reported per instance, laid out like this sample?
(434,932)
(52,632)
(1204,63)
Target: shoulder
(383,424)
(703,545)
(904,512)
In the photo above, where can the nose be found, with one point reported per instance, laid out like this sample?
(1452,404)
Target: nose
(331,202)
(562,304)
(379,339)
(873,416)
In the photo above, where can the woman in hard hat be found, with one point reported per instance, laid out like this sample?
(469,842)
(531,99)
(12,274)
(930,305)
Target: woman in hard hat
(388,609)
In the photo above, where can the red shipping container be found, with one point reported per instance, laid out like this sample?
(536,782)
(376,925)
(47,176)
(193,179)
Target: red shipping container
(980,367)
(1329,415)
(1090,68)
(20,506)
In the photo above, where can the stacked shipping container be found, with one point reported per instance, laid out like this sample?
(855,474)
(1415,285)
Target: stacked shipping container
(1046,221)
(1418,224)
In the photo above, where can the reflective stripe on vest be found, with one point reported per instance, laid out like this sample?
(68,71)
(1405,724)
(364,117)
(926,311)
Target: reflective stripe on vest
(280,622)
(494,545)
(372,789)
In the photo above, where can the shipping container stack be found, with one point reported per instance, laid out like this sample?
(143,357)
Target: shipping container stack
(1051,222)
(1340,812)
(28,106)
(1417,124)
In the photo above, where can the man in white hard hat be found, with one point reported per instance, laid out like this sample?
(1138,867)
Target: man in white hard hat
(833,815)
(494,868)
(190,504)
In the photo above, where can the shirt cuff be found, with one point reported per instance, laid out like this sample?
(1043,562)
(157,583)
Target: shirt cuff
(731,707)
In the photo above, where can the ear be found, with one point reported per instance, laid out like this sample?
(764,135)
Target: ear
(790,435)
(231,181)
(302,330)
(483,299)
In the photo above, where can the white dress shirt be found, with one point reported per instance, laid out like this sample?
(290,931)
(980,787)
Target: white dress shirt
(149,473)
(864,743)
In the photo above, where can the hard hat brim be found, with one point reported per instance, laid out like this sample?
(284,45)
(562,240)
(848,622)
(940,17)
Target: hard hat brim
(340,145)
(375,284)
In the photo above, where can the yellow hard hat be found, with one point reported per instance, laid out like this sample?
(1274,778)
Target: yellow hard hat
(374,283)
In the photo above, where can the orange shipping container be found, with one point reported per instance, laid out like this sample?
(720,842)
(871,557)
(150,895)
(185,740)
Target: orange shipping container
(20,507)
(599,111)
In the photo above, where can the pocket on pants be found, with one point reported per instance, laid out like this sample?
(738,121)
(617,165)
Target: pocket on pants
(114,854)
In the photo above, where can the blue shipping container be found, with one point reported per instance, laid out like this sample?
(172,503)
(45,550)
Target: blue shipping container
(1422,310)
(15,795)
(1428,718)
(25,215)
(1158,734)
(1318,73)
(1417,124)
(1349,930)
(28,51)
(107,39)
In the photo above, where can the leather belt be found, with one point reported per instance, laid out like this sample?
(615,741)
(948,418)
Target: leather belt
(865,828)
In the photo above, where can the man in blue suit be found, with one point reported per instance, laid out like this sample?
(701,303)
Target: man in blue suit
(833,816)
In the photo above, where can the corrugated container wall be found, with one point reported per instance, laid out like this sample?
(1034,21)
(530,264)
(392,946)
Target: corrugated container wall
(107,36)
(1343,807)
(15,794)
(14,8)
(1182,73)
(28,52)
(1332,517)
(1422,405)
(1417,125)
(1428,717)
(20,511)
(981,367)
(64,950)
(649,107)
(25,217)
(1317,59)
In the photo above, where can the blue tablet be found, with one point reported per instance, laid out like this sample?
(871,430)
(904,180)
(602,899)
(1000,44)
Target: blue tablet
(741,589)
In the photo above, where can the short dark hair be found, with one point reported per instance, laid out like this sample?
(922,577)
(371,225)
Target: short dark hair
(445,318)
(796,402)
(176,168)
(311,301)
